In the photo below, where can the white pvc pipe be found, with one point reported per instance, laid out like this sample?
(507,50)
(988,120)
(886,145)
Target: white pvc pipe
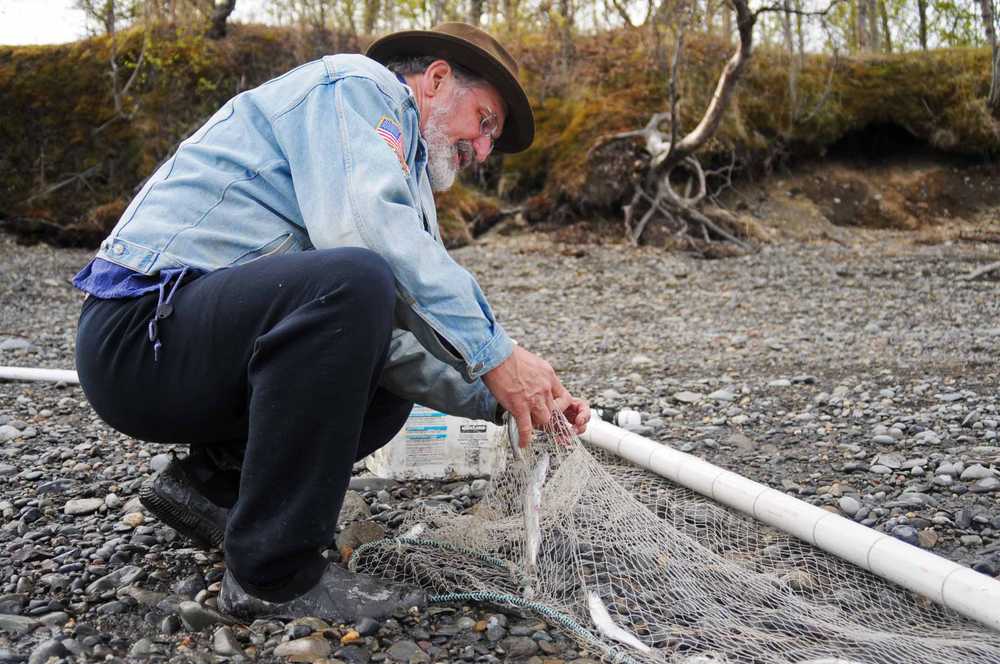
(30,373)
(959,588)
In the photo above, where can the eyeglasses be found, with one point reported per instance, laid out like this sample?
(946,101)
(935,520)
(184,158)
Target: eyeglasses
(489,126)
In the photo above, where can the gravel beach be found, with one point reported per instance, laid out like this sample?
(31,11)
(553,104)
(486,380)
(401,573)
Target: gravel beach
(863,379)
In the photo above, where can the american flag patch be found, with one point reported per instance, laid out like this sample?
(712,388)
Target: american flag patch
(390,132)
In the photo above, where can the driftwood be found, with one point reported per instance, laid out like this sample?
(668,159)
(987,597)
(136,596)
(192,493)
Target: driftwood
(655,193)
(984,270)
(655,196)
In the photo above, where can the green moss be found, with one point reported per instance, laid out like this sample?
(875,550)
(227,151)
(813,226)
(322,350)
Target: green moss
(58,117)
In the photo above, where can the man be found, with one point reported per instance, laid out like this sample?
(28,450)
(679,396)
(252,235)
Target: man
(277,296)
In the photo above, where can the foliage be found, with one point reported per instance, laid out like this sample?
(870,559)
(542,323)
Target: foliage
(69,153)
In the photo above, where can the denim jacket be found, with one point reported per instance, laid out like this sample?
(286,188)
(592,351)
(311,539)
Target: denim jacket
(327,155)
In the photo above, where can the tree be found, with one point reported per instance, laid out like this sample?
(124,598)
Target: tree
(922,18)
(989,22)
(106,17)
(216,13)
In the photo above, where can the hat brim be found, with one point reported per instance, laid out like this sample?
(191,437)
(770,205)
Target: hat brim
(519,127)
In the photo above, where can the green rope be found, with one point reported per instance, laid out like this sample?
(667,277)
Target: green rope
(615,654)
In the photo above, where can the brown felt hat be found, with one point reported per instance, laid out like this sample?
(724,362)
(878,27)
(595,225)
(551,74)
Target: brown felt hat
(474,49)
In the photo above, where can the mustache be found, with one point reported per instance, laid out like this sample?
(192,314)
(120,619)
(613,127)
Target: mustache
(466,153)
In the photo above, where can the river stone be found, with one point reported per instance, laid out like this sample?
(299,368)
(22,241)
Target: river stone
(722,395)
(142,649)
(197,617)
(309,649)
(893,461)
(687,397)
(7,432)
(518,647)
(986,485)
(46,649)
(849,505)
(906,534)
(159,462)
(354,508)
(927,538)
(79,506)
(224,643)
(976,472)
(407,651)
(17,625)
(118,579)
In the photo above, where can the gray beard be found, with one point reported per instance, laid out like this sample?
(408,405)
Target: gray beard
(440,153)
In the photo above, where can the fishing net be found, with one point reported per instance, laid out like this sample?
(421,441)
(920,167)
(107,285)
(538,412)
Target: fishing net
(690,580)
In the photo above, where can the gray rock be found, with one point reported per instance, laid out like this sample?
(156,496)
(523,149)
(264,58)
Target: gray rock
(407,651)
(79,506)
(224,643)
(197,617)
(892,461)
(722,395)
(687,397)
(17,625)
(883,440)
(7,432)
(849,505)
(519,647)
(15,343)
(976,472)
(46,649)
(781,382)
(118,579)
(879,469)
(170,625)
(367,626)
(309,649)
(907,534)
(986,485)
(143,648)
(143,597)
(159,462)
(354,508)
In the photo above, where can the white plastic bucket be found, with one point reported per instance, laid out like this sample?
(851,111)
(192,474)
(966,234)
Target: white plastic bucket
(433,445)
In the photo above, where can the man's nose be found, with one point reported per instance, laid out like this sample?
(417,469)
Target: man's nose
(483,146)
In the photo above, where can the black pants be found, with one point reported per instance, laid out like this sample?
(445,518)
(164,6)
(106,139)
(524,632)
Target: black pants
(281,356)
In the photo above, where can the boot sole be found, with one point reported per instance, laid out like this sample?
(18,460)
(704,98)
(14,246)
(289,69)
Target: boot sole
(181,518)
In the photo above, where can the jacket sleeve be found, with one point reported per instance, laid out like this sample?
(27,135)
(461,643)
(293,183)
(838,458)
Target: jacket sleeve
(352,191)
(415,375)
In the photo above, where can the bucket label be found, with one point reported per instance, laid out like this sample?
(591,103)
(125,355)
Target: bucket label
(433,445)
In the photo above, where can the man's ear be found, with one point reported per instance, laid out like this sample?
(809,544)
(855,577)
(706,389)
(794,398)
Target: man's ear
(435,75)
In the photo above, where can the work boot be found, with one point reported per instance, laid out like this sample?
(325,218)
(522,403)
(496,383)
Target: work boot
(178,500)
(339,596)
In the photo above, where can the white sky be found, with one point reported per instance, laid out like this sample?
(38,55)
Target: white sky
(56,21)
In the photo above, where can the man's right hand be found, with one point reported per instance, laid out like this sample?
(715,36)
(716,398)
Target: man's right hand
(528,388)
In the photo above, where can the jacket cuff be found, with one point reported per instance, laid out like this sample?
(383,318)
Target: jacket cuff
(490,356)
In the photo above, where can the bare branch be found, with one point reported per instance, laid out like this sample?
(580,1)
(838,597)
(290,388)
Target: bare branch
(779,7)
(76,177)
(986,269)
(745,20)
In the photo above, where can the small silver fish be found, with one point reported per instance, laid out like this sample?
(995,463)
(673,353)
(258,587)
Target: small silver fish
(532,509)
(606,626)
(513,436)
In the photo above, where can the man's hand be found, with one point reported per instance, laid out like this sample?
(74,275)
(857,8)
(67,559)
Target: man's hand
(528,388)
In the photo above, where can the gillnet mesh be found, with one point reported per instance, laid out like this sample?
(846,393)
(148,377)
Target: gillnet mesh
(690,580)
